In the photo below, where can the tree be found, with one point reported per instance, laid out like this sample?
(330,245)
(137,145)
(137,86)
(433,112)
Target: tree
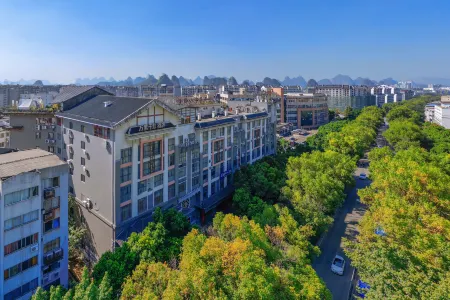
(57,292)
(105,291)
(403,113)
(403,134)
(76,233)
(82,286)
(119,264)
(40,294)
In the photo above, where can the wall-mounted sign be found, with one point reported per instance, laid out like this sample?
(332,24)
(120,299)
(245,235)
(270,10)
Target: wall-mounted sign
(149,127)
(225,174)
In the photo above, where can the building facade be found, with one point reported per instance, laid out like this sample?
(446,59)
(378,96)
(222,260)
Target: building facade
(342,96)
(34,222)
(148,153)
(439,113)
(304,110)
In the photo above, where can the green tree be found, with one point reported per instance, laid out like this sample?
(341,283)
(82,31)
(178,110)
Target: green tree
(57,292)
(40,294)
(119,264)
(82,286)
(105,291)
(403,134)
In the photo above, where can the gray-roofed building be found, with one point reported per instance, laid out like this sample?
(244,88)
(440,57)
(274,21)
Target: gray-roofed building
(128,156)
(40,128)
(33,222)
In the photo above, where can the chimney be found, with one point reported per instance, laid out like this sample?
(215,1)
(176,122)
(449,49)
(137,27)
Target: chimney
(199,116)
(213,113)
(226,113)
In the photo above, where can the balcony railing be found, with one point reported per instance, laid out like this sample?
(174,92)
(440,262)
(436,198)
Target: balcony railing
(49,193)
(53,256)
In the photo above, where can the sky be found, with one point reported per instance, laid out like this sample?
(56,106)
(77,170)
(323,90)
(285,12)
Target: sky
(64,40)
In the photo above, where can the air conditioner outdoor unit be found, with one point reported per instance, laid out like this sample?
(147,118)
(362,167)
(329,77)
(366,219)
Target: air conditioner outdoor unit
(34,248)
(47,141)
(87,203)
(43,127)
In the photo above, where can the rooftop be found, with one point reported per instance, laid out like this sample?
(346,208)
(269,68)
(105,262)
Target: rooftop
(15,163)
(106,110)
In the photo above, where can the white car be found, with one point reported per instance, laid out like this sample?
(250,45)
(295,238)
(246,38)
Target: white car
(363,176)
(338,265)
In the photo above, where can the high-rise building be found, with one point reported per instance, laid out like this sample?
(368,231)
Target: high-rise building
(33,222)
(342,96)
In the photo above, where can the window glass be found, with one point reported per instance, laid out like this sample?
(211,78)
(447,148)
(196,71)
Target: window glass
(125,212)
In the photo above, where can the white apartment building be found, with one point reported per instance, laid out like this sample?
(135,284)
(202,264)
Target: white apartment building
(439,113)
(33,222)
(161,152)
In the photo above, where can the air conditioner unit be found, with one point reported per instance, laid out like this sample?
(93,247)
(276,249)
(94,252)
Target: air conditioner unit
(34,248)
(47,141)
(43,126)
(71,134)
(38,127)
(87,203)
(53,126)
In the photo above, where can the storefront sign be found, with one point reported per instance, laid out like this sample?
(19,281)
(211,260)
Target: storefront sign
(149,127)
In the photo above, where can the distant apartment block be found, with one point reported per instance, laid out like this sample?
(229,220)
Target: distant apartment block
(439,113)
(304,110)
(389,94)
(4,134)
(191,90)
(156,90)
(122,91)
(33,222)
(342,96)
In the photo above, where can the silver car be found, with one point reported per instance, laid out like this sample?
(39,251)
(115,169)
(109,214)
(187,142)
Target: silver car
(338,265)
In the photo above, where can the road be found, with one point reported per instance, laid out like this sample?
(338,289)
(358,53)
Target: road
(345,223)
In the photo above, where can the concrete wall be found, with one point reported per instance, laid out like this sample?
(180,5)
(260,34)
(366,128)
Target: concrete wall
(98,183)
(25,138)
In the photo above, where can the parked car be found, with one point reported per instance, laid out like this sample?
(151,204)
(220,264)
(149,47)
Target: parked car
(338,265)
(363,176)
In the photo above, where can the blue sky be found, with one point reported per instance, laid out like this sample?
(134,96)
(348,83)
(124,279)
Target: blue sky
(64,40)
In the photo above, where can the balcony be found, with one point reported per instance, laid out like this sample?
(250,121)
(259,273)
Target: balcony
(53,256)
(49,193)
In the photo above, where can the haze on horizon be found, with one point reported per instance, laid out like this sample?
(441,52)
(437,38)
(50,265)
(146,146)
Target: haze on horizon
(64,40)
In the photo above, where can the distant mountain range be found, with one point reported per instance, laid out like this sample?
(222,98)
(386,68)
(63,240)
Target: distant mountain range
(217,80)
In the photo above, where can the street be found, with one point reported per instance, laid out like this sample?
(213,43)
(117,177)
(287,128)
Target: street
(344,226)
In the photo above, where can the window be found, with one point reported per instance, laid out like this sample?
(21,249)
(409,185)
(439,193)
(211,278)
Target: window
(182,187)
(205,136)
(152,149)
(22,195)
(125,193)
(213,134)
(213,188)
(125,174)
(205,176)
(222,131)
(171,191)
(83,145)
(38,135)
(171,144)
(125,155)
(195,180)
(50,204)
(142,186)
(158,180)
(171,174)
(83,178)
(180,140)
(70,140)
(82,128)
(142,205)
(171,159)
(22,243)
(51,135)
(22,290)
(30,217)
(70,155)
(23,266)
(158,197)
(205,192)
(101,132)
(70,125)
(52,245)
(125,212)
(83,161)
(51,149)
(51,225)
(59,150)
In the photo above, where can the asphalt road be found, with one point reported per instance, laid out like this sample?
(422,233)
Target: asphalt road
(345,223)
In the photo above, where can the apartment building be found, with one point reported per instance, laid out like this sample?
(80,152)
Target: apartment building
(122,91)
(40,128)
(4,134)
(129,155)
(439,113)
(191,90)
(156,90)
(342,96)
(34,222)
